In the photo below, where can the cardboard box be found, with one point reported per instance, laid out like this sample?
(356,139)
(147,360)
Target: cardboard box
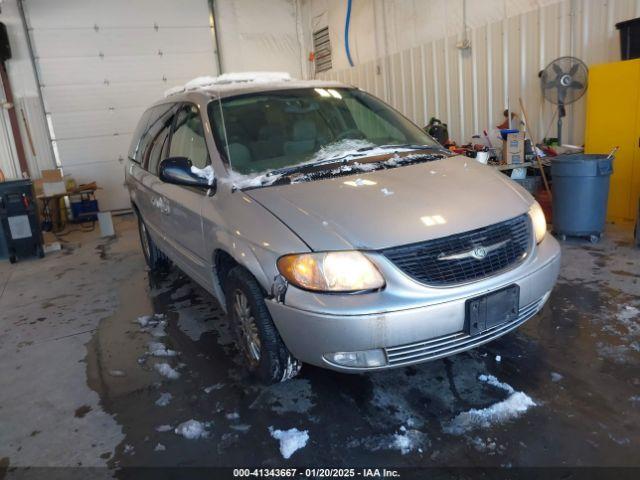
(53,176)
(53,188)
(513,148)
(51,183)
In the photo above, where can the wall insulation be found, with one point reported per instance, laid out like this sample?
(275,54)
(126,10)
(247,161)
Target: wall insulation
(469,89)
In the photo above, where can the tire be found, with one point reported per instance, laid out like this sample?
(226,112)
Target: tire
(13,259)
(264,352)
(40,251)
(155,259)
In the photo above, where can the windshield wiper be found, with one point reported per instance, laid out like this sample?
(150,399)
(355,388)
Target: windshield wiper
(304,166)
(413,146)
(359,153)
(373,147)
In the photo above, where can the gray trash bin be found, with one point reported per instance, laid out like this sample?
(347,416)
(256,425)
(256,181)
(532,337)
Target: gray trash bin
(580,194)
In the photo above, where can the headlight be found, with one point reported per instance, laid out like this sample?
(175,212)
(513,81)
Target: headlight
(538,221)
(331,271)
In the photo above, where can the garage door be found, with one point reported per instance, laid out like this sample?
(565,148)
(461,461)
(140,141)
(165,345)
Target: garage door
(101,63)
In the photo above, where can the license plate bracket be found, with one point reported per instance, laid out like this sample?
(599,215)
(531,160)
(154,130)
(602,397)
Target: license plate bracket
(492,309)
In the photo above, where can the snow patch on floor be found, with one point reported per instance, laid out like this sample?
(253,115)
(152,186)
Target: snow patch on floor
(159,448)
(211,388)
(512,407)
(149,320)
(493,381)
(290,440)
(164,399)
(619,354)
(556,377)
(167,371)
(192,429)
(488,445)
(407,440)
(164,428)
(159,350)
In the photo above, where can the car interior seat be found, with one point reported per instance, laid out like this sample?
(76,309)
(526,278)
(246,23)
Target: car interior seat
(303,138)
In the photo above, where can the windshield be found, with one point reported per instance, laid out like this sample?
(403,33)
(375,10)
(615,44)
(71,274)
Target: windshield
(272,130)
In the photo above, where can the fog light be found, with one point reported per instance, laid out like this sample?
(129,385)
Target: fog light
(363,359)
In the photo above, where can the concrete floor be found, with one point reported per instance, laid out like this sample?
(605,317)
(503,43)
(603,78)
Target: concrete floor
(76,388)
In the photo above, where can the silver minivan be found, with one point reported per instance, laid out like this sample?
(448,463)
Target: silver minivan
(333,230)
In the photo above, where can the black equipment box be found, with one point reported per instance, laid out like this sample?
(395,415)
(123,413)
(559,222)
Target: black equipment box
(19,217)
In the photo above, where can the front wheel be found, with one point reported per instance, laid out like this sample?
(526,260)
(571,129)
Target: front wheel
(264,352)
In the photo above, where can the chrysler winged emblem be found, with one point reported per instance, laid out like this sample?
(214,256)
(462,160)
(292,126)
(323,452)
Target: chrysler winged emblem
(478,252)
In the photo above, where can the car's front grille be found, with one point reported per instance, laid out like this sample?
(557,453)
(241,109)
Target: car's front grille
(467,256)
(457,342)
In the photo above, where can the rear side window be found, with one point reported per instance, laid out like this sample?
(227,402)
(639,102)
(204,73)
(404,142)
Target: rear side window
(134,150)
(154,138)
(188,137)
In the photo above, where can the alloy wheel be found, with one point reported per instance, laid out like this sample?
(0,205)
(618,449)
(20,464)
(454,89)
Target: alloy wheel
(248,327)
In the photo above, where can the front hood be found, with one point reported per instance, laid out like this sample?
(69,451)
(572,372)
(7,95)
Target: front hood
(396,206)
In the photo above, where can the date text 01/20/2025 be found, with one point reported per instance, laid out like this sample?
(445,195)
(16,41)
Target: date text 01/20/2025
(315,472)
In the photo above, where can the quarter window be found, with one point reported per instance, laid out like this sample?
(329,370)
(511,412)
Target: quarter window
(157,150)
(188,137)
(155,137)
(135,150)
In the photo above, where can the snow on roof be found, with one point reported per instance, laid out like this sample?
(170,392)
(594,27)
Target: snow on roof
(258,77)
(230,78)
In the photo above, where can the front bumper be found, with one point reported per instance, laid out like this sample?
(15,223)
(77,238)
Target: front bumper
(412,334)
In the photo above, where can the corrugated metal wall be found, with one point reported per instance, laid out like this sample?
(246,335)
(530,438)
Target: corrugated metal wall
(469,89)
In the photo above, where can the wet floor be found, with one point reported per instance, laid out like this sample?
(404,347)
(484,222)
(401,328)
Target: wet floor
(563,390)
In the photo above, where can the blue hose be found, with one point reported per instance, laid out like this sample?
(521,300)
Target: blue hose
(346,32)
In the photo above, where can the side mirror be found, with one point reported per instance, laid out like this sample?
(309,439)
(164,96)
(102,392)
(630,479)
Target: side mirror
(177,170)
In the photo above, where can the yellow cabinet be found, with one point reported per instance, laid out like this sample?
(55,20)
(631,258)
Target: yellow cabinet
(613,105)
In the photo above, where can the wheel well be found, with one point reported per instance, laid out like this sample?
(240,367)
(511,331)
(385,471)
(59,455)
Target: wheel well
(223,263)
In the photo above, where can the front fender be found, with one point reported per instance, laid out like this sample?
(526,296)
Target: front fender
(249,233)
